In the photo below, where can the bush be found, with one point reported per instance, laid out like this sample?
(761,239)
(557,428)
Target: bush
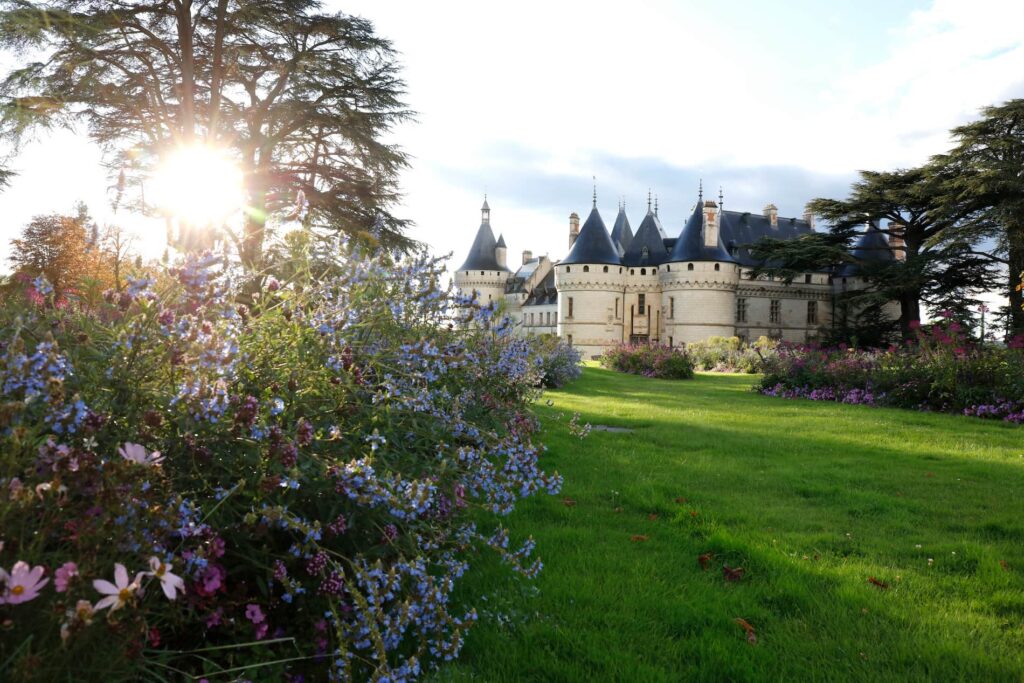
(285,489)
(941,371)
(731,354)
(559,362)
(649,360)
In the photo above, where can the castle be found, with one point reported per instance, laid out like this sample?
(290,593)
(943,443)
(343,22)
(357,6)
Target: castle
(648,287)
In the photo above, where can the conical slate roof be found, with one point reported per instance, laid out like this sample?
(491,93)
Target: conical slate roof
(481,254)
(690,245)
(871,247)
(648,245)
(593,244)
(622,234)
(501,242)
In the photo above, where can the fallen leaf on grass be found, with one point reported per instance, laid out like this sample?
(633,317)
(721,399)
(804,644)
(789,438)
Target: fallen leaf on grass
(929,474)
(704,560)
(875,582)
(637,538)
(618,509)
(680,500)
(1005,565)
(745,625)
(693,513)
(653,516)
(732,573)
(568,502)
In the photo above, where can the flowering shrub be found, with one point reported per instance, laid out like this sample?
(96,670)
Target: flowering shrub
(941,371)
(649,360)
(560,363)
(731,354)
(207,476)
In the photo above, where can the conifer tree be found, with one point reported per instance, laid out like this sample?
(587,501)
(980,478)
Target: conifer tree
(932,260)
(985,171)
(303,98)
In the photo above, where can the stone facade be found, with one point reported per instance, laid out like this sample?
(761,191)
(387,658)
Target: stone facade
(648,287)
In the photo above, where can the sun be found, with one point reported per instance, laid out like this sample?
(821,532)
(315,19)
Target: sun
(200,186)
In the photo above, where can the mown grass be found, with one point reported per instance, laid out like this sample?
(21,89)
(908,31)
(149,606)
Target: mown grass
(811,499)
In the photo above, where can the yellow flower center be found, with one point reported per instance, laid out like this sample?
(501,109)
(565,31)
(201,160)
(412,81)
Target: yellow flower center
(17,590)
(161,570)
(125,595)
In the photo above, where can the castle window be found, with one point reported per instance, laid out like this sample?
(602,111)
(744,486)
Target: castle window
(616,308)
(718,266)
(643,271)
(606,269)
(568,339)
(641,303)
(481,272)
(670,342)
(812,312)
(741,310)
(775,311)
(807,279)
(668,269)
(569,315)
(548,316)
(567,269)
(689,266)
(620,271)
(632,272)
(671,308)
(586,269)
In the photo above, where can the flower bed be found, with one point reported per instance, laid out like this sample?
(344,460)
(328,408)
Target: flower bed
(941,371)
(649,360)
(731,354)
(203,475)
(560,363)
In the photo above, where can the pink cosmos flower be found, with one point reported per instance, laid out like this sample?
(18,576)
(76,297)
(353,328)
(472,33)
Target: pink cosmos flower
(63,575)
(169,582)
(22,584)
(133,452)
(118,593)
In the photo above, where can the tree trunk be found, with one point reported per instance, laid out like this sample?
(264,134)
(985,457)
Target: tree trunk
(910,313)
(1015,238)
(183,12)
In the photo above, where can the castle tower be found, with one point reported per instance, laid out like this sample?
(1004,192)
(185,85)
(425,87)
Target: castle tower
(484,270)
(643,317)
(700,280)
(590,290)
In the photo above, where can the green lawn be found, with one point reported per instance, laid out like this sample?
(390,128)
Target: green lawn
(811,499)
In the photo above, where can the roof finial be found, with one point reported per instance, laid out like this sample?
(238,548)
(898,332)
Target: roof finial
(594,178)
(721,197)
(655,205)
(700,191)
(648,200)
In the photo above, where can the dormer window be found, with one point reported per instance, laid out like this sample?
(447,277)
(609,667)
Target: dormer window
(645,252)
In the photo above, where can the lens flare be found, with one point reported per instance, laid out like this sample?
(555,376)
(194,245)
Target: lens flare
(199,186)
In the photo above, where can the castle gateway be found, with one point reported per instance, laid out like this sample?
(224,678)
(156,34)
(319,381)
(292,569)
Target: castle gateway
(648,287)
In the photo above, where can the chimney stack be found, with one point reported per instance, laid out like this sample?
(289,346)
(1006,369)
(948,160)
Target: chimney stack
(896,243)
(574,228)
(527,256)
(809,218)
(710,224)
(772,212)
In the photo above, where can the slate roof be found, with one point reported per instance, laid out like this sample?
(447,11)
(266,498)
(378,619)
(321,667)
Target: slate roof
(690,245)
(622,234)
(872,247)
(648,245)
(739,230)
(501,242)
(481,254)
(593,245)
(544,293)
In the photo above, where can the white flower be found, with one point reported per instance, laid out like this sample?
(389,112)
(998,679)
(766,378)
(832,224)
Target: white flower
(169,582)
(118,593)
(133,452)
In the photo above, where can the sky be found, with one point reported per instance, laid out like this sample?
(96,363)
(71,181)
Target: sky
(528,101)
